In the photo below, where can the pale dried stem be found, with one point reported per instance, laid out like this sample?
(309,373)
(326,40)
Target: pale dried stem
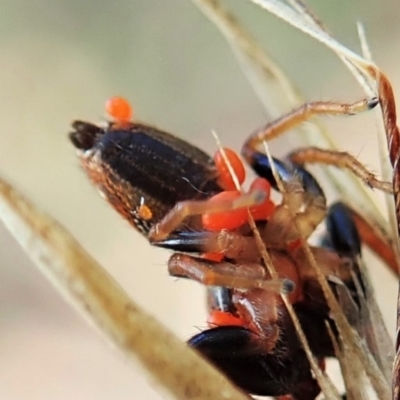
(291,16)
(324,381)
(306,14)
(173,365)
(349,337)
(350,367)
(329,390)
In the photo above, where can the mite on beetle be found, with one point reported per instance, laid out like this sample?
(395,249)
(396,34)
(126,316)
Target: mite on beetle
(182,199)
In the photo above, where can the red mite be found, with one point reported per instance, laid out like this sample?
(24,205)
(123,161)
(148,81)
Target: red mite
(181,199)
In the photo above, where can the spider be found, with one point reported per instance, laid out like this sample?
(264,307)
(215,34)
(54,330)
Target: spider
(182,199)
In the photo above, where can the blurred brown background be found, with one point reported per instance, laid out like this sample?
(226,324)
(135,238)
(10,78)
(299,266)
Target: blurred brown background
(59,61)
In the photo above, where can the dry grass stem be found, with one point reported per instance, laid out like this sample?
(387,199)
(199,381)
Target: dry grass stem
(172,364)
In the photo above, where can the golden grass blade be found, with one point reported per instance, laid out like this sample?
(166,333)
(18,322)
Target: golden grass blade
(173,365)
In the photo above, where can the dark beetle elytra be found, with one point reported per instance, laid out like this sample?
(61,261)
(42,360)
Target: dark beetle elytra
(137,164)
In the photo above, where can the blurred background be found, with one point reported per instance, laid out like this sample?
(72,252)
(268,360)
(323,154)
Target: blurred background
(60,60)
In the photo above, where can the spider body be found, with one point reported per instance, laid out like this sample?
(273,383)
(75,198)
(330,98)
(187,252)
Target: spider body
(179,198)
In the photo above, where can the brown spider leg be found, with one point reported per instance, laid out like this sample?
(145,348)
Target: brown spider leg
(377,240)
(302,114)
(243,276)
(232,245)
(189,208)
(312,154)
(339,159)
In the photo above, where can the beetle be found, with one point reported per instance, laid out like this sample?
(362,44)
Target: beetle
(182,199)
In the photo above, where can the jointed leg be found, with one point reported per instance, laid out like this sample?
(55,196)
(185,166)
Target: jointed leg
(244,276)
(312,154)
(302,114)
(189,208)
(339,159)
(229,244)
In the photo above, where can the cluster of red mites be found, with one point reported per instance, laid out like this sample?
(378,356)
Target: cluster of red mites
(233,219)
